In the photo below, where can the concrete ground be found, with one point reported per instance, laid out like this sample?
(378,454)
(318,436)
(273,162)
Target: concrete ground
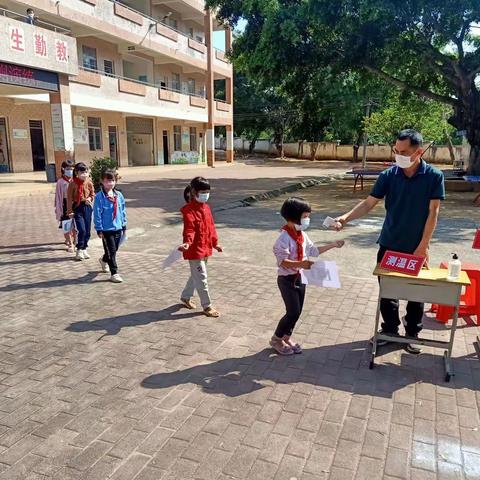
(101,381)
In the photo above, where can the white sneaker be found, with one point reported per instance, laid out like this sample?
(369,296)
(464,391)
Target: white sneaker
(79,256)
(104,265)
(86,255)
(116,278)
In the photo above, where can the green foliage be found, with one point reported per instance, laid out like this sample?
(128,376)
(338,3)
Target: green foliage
(98,166)
(427,47)
(409,111)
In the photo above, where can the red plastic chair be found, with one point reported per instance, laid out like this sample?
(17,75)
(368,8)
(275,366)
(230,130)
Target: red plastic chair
(469,301)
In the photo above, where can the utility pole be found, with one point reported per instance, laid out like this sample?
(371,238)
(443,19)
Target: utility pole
(365,136)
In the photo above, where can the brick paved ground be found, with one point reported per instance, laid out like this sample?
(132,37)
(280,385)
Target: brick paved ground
(105,381)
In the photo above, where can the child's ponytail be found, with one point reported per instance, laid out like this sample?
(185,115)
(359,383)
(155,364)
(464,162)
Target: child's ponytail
(187,194)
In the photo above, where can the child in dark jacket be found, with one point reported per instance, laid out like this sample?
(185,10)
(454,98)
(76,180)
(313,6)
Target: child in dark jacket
(110,220)
(199,239)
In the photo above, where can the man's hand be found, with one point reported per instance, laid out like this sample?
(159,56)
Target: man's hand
(100,234)
(184,247)
(218,248)
(71,215)
(339,243)
(422,251)
(340,223)
(306,264)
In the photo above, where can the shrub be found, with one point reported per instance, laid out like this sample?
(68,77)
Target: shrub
(98,166)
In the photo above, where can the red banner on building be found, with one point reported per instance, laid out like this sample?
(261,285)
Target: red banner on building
(402,263)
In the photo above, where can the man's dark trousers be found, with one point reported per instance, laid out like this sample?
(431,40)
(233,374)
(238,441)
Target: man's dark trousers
(389,309)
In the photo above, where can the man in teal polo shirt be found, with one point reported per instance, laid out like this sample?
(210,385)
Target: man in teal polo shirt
(412,190)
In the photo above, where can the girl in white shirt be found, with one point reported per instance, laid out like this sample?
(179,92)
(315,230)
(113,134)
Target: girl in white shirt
(292,249)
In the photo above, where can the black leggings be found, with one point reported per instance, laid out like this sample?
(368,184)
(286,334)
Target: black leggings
(111,242)
(293,294)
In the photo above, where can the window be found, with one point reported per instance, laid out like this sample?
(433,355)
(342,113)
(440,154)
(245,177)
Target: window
(193,139)
(176,82)
(190,32)
(177,138)
(94,133)
(89,58)
(191,86)
(109,68)
(199,38)
(143,78)
(174,23)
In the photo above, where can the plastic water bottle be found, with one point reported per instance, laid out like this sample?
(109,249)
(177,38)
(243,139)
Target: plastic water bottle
(454,268)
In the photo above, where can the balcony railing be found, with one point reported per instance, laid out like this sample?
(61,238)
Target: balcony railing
(185,91)
(36,22)
(155,20)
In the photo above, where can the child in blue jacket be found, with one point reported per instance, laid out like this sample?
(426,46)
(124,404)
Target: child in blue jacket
(110,220)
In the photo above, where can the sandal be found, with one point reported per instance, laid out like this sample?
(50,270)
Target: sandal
(188,303)
(211,312)
(280,347)
(296,347)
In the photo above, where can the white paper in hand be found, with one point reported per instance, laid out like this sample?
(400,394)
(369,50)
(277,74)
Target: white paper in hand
(322,274)
(123,238)
(174,256)
(67,225)
(329,222)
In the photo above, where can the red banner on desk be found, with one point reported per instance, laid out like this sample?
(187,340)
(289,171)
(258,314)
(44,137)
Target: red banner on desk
(402,263)
(476,240)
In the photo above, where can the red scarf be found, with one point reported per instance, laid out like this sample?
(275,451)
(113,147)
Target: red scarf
(80,185)
(67,179)
(114,200)
(296,235)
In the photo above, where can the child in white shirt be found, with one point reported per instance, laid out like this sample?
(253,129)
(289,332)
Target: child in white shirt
(292,249)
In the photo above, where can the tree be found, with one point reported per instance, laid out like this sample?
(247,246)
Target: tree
(427,47)
(259,111)
(408,111)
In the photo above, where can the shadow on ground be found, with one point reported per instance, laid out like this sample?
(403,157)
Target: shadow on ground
(324,366)
(113,325)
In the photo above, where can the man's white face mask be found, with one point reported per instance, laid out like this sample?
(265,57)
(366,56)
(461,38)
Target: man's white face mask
(403,161)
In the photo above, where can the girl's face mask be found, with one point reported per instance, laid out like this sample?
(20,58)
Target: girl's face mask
(83,176)
(203,197)
(304,224)
(109,184)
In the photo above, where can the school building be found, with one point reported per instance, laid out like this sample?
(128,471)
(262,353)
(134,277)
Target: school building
(135,80)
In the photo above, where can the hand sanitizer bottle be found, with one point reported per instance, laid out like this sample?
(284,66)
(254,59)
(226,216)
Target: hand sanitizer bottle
(454,268)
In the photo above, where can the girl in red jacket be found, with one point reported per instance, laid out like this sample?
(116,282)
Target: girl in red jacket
(199,240)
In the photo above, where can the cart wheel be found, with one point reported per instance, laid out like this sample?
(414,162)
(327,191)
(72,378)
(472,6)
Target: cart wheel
(372,362)
(447,377)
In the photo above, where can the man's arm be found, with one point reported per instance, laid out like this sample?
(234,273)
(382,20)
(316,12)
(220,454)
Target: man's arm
(360,210)
(430,225)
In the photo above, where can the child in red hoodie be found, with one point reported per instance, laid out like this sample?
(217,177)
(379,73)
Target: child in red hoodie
(199,240)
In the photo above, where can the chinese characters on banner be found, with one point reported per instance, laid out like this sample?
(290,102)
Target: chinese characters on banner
(402,263)
(61,51)
(41,44)
(17,39)
(476,240)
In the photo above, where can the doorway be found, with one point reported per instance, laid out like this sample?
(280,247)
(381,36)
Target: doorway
(140,141)
(38,146)
(113,143)
(4,157)
(166,157)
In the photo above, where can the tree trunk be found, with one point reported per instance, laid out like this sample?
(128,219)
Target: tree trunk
(313,150)
(251,147)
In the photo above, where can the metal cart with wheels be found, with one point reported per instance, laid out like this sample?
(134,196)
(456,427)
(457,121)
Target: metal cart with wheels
(431,286)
